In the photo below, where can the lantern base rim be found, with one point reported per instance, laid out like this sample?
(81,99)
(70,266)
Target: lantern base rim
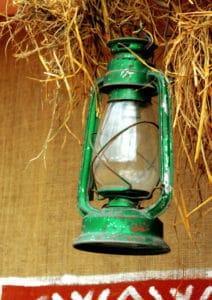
(121,231)
(112,245)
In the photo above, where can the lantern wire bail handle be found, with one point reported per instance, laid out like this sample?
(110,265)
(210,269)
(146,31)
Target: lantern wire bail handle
(138,30)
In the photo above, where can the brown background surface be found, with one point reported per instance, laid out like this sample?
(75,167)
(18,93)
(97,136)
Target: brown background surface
(38,213)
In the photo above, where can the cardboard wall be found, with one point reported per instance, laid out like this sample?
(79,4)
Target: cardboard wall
(38,210)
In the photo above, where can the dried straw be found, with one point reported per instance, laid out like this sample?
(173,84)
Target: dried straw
(188,62)
(70,38)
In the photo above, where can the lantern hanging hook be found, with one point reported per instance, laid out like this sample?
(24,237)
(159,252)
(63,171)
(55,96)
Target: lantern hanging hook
(138,30)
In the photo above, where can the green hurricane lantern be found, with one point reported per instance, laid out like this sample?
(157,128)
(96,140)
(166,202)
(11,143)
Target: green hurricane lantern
(127,155)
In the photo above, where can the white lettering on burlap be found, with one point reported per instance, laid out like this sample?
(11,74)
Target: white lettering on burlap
(178,296)
(104,294)
(56,296)
(76,296)
(153,292)
(130,291)
(133,293)
(207,293)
